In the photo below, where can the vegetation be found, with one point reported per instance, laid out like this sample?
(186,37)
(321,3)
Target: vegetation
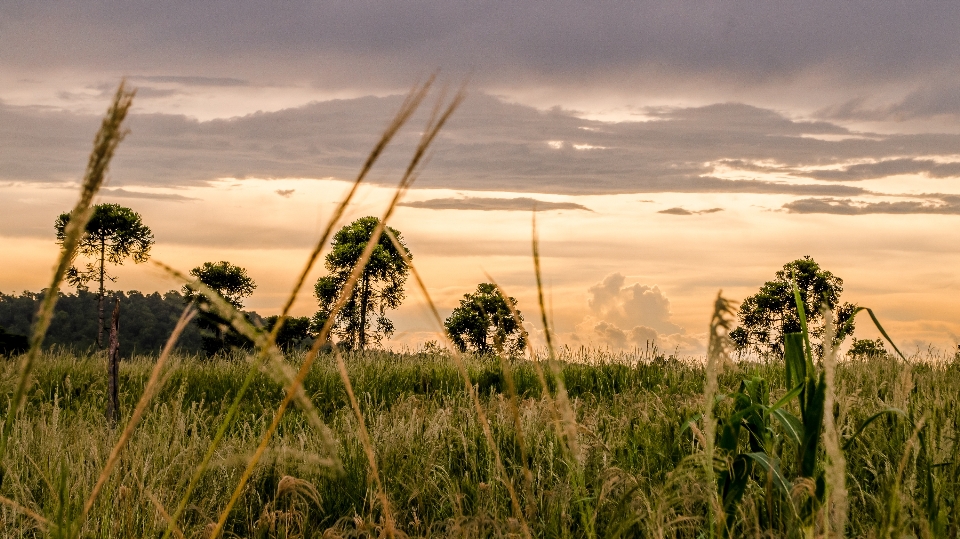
(361,443)
(641,464)
(112,234)
(770,314)
(147,320)
(484,323)
(362,319)
(232,284)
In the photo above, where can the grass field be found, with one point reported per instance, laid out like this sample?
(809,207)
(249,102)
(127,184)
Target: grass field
(639,472)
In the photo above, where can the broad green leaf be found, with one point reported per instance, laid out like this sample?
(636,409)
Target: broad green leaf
(791,425)
(793,358)
(786,398)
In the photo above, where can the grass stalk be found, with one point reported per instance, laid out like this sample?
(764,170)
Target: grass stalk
(430,133)
(409,106)
(835,467)
(475,399)
(149,391)
(717,357)
(105,144)
(42,522)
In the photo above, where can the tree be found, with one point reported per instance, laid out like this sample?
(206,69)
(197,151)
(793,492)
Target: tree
(768,315)
(484,323)
(113,234)
(294,333)
(362,320)
(233,284)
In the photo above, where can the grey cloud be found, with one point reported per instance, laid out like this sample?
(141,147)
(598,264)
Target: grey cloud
(191,81)
(889,167)
(285,193)
(493,204)
(682,211)
(569,43)
(938,98)
(942,204)
(124,193)
(487,145)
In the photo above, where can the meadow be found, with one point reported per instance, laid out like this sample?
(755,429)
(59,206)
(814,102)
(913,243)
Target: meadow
(437,443)
(639,474)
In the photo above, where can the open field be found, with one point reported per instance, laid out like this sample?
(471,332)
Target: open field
(640,472)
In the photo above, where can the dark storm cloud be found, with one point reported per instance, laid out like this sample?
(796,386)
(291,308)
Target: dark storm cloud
(942,204)
(493,204)
(487,145)
(377,44)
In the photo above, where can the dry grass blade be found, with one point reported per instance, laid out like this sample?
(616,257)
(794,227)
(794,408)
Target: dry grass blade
(104,145)
(148,392)
(43,523)
(266,349)
(163,513)
(468,387)
(409,106)
(563,400)
(535,362)
(295,386)
(366,443)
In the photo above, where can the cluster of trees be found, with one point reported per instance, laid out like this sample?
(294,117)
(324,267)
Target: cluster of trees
(484,322)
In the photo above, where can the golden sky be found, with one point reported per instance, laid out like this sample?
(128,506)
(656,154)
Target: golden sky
(673,151)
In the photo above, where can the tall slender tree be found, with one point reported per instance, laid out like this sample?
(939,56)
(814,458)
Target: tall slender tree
(113,234)
(362,320)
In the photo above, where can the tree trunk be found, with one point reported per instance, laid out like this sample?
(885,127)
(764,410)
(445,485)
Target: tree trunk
(103,249)
(364,292)
(113,367)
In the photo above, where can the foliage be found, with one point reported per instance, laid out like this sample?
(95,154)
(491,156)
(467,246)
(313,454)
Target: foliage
(865,348)
(148,319)
(362,320)
(113,234)
(233,284)
(294,333)
(771,313)
(12,344)
(484,323)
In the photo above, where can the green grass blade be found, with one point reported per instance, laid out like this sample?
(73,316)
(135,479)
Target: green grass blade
(863,426)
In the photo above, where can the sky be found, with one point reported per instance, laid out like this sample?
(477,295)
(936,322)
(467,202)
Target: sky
(671,150)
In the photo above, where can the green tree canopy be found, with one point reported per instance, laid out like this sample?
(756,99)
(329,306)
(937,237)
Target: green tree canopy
(113,234)
(484,323)
(230,281)
(768,315)
(362,320)
(234,285)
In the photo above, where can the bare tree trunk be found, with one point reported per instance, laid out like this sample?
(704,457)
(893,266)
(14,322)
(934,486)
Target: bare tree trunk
(103,248)
(113,367)
(363,312)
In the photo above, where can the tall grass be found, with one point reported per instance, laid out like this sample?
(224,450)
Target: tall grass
(640,465)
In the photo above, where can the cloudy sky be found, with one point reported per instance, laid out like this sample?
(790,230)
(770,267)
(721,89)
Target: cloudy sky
(671,150)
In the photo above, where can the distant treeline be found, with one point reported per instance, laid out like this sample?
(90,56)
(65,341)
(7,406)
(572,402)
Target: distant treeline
(146,320)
